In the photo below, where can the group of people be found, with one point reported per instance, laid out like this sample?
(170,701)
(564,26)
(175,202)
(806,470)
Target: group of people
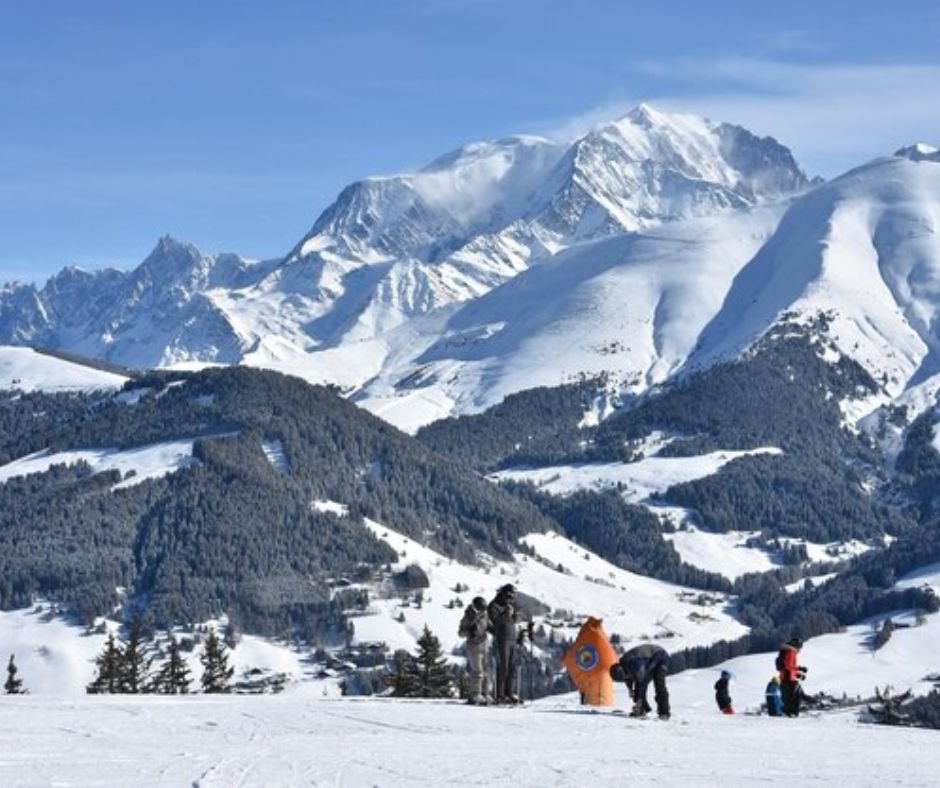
(784,694)
(499,618)
(637,668)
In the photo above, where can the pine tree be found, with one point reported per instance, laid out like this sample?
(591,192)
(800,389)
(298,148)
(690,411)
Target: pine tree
(216,672)
(135,662)
(432,676)
(173,677)
(401,677)
(13,686)
(110,664)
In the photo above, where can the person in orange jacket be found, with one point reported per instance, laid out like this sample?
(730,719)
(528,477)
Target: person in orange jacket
(791,674)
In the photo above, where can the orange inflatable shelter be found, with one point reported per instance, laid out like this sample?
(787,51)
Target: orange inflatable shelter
(588,663)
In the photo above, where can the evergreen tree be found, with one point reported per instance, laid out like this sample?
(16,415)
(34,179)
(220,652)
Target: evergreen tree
(135,662)
(173,677)
(110,663)
(216,672)
(401,677)
(13,686)
(431,674)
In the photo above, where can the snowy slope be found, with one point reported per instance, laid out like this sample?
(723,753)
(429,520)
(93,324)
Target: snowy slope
(862,249)
(25,369)
(302,738)
(142,463)
(310,736)
(631,605)
(638,480)
(56,656)
(632,307)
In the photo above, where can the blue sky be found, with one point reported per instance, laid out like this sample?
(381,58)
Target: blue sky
(233,124)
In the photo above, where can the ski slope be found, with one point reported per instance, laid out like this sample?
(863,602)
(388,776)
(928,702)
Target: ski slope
(302,739)
(309,736)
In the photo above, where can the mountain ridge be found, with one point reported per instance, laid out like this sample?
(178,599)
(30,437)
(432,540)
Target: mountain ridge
(395,247)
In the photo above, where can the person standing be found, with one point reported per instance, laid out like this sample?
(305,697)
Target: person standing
(503,616)
(722,694)
(639,666)
(474,628)
(791,674)
(773,697)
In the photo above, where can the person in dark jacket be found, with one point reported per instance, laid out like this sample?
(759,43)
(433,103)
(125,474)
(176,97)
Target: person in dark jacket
(639,666)
(773,697)
(474,628)
(791,675)
(503,616)
(722,695)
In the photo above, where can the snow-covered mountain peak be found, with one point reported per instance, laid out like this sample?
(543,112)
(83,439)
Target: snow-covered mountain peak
(645,167)
(475,152)
(395,247)
(919,151)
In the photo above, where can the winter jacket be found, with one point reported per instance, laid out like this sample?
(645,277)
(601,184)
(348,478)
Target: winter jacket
(787,663)
(502,615)
(722,696)
(640,661)
(474,625)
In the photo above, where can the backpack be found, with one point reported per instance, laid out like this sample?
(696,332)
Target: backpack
(467,624)
(779,663)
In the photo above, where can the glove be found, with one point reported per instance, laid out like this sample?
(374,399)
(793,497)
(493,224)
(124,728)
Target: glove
(803,669)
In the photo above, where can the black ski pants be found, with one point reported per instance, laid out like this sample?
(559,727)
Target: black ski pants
(792,694)
(658,678)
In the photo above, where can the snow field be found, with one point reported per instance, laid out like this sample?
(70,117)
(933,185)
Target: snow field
(25,369)
(302,739)
(147,462)
(308,736)
(639,480)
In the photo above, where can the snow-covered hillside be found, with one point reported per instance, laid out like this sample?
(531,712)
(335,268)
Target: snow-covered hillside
(25,369)
(304,738)
(863,250)
(134,465)
(572,581)
(631,306)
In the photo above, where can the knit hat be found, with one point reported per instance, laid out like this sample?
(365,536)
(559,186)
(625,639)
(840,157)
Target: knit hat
(725,674)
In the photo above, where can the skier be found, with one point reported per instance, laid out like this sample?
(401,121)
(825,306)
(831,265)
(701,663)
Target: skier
(791,674)
(638,667)
(722,697)
(474,627)
(503,615)
(773,697)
